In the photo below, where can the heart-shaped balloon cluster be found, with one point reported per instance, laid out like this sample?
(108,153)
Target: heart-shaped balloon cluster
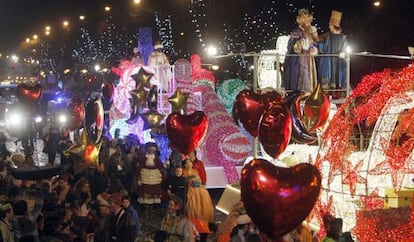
(88,147)
(278,199)
(186,132)
(29,94)
(265,116)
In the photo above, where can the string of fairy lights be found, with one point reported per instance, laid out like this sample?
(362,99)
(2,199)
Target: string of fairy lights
(197,10)
(164,27)
(86,51)
(258,31)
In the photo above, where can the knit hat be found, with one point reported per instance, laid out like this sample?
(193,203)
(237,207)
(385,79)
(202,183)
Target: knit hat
(103,199)
(116,198)
(243,219)
(5,207)
(151,146)
(158,45)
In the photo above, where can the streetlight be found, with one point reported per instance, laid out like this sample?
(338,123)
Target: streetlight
(14,58)
(107,8)
(82,17)
(137,1)
(35,37)
(377,3)
(65,23)
(47,30)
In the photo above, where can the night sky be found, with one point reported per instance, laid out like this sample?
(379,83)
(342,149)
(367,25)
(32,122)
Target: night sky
(21,18)
(387,29)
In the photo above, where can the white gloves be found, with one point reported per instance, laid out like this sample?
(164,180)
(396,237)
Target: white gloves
(305,43)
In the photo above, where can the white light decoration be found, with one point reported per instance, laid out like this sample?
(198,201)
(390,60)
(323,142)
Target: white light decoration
(259,30)
(14,58)
(164,28)
(197,9)
(111,43)
(97,67)
(62,118)
(38,119)
(85,51)
(215,67)
(47,61)
(212,50)
(14,118)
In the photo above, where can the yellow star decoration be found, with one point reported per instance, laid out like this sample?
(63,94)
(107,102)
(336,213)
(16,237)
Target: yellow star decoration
(178,101)
(142,79)
(152,119)
(139,96)
(86,153)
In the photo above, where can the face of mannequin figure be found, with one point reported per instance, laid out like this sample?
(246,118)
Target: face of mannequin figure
(305,21)
(334,30)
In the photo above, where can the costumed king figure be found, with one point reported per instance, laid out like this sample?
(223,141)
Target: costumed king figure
(332,69)
(300,71)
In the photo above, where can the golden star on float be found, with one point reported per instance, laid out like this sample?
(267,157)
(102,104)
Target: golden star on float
(139,96)
(142,78)
(152,119)
(178,101)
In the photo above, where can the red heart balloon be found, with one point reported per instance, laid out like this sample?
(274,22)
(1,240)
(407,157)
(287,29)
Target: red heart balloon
(275,129)
(29,94)
(76,112)
(249,107)
(94,116)
(186,132)
(278,199)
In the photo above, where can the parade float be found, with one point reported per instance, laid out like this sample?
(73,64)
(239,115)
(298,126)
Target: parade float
(295,142)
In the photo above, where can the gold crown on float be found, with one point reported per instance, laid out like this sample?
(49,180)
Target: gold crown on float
(335,19)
